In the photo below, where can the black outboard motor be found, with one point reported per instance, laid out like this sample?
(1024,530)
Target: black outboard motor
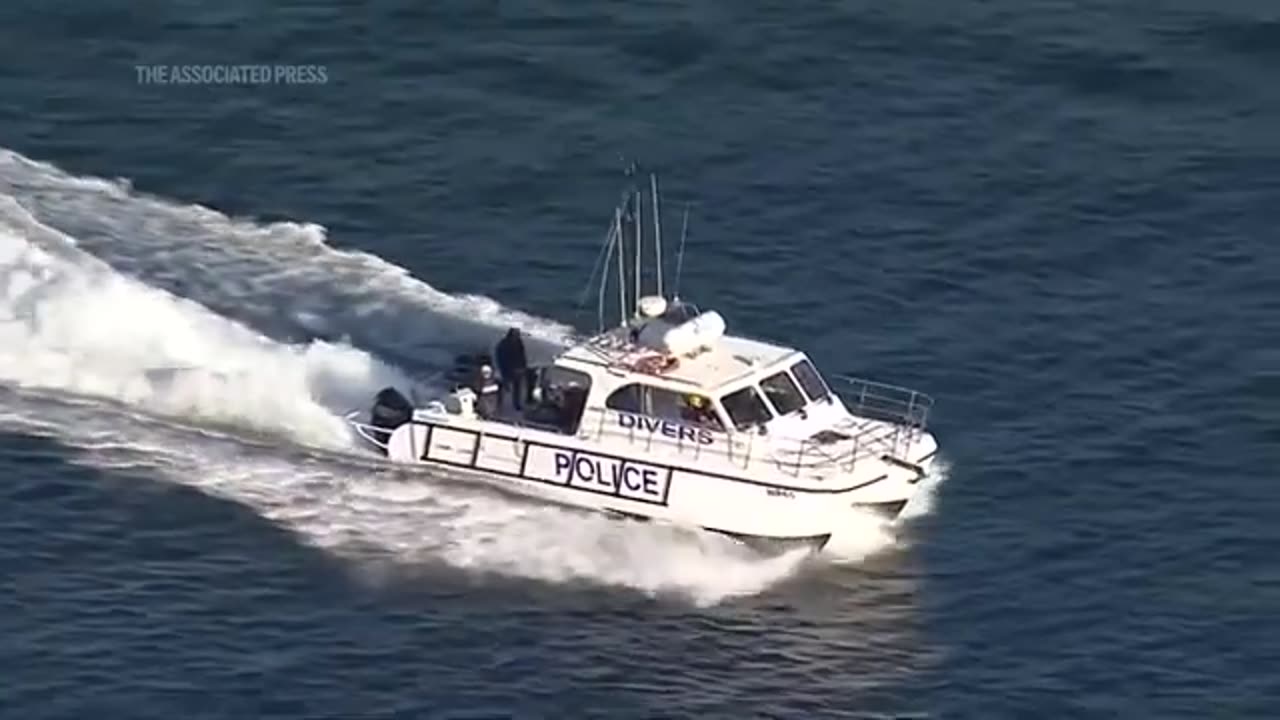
(390,411)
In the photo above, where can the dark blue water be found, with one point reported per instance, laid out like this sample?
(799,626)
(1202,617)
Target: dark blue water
(1059,218)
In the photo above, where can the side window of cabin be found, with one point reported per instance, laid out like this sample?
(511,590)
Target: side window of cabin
(782,393)
(810,381)
(699,411)
(745,408)
(626,399)
(664,404)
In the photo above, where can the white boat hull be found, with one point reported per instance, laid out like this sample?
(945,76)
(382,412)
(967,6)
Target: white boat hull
(651,477)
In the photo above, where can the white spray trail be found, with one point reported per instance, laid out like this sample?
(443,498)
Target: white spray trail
(280,277)
(395,527)
(69,322)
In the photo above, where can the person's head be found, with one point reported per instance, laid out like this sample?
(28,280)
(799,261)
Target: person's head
(486,371)
(695,401)
(514,333)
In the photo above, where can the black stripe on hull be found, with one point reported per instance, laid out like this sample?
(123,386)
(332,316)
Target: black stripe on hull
(765,543)
(890,510)
(768,545)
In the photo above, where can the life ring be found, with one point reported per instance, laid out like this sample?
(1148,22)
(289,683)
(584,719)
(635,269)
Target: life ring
(655,364)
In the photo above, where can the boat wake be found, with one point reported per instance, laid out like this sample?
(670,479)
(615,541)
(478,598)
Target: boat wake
(393,527)
(158,309)
(70,322)
(281,278)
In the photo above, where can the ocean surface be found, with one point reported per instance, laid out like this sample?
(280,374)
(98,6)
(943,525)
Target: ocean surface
(1059,218)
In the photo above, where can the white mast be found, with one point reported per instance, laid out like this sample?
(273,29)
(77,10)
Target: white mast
(604,276)
(636,310)
(684,232)
(622,268)
(657,230)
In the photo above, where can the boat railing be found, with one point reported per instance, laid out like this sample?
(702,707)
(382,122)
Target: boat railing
(748,450)
(903,407)
(899,414)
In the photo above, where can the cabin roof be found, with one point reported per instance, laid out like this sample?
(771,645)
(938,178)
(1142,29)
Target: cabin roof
(730,359)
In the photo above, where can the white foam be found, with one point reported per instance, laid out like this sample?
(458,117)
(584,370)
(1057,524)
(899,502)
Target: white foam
(393,526)
(416,523)
(557,545)
(866,533)
(281,277)
(863,534)
(926,497)
(68,322)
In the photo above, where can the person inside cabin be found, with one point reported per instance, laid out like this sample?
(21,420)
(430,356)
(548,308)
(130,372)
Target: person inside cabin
(697,411)
(486,390)
(512,368)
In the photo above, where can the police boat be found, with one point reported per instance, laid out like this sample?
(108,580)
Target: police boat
(667,416)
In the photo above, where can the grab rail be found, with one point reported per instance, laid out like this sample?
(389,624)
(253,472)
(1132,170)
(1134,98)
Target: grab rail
(902,413)
(882,401)
(746,450)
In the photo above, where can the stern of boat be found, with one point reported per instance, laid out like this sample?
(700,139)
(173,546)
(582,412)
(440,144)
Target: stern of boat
(390,409)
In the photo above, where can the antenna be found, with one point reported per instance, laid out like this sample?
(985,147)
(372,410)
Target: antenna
(597,266)
(684,233)
(622,268)
(637,213)
(607,255)
(657,230)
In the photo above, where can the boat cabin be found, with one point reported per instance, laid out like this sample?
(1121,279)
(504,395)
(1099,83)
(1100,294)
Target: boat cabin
(682,371)
(668,363)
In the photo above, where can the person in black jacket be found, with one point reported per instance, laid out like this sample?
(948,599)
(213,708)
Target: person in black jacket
(512,367)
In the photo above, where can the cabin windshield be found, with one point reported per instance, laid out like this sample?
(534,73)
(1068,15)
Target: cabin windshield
(810,381)
(783,393)
(746,408)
